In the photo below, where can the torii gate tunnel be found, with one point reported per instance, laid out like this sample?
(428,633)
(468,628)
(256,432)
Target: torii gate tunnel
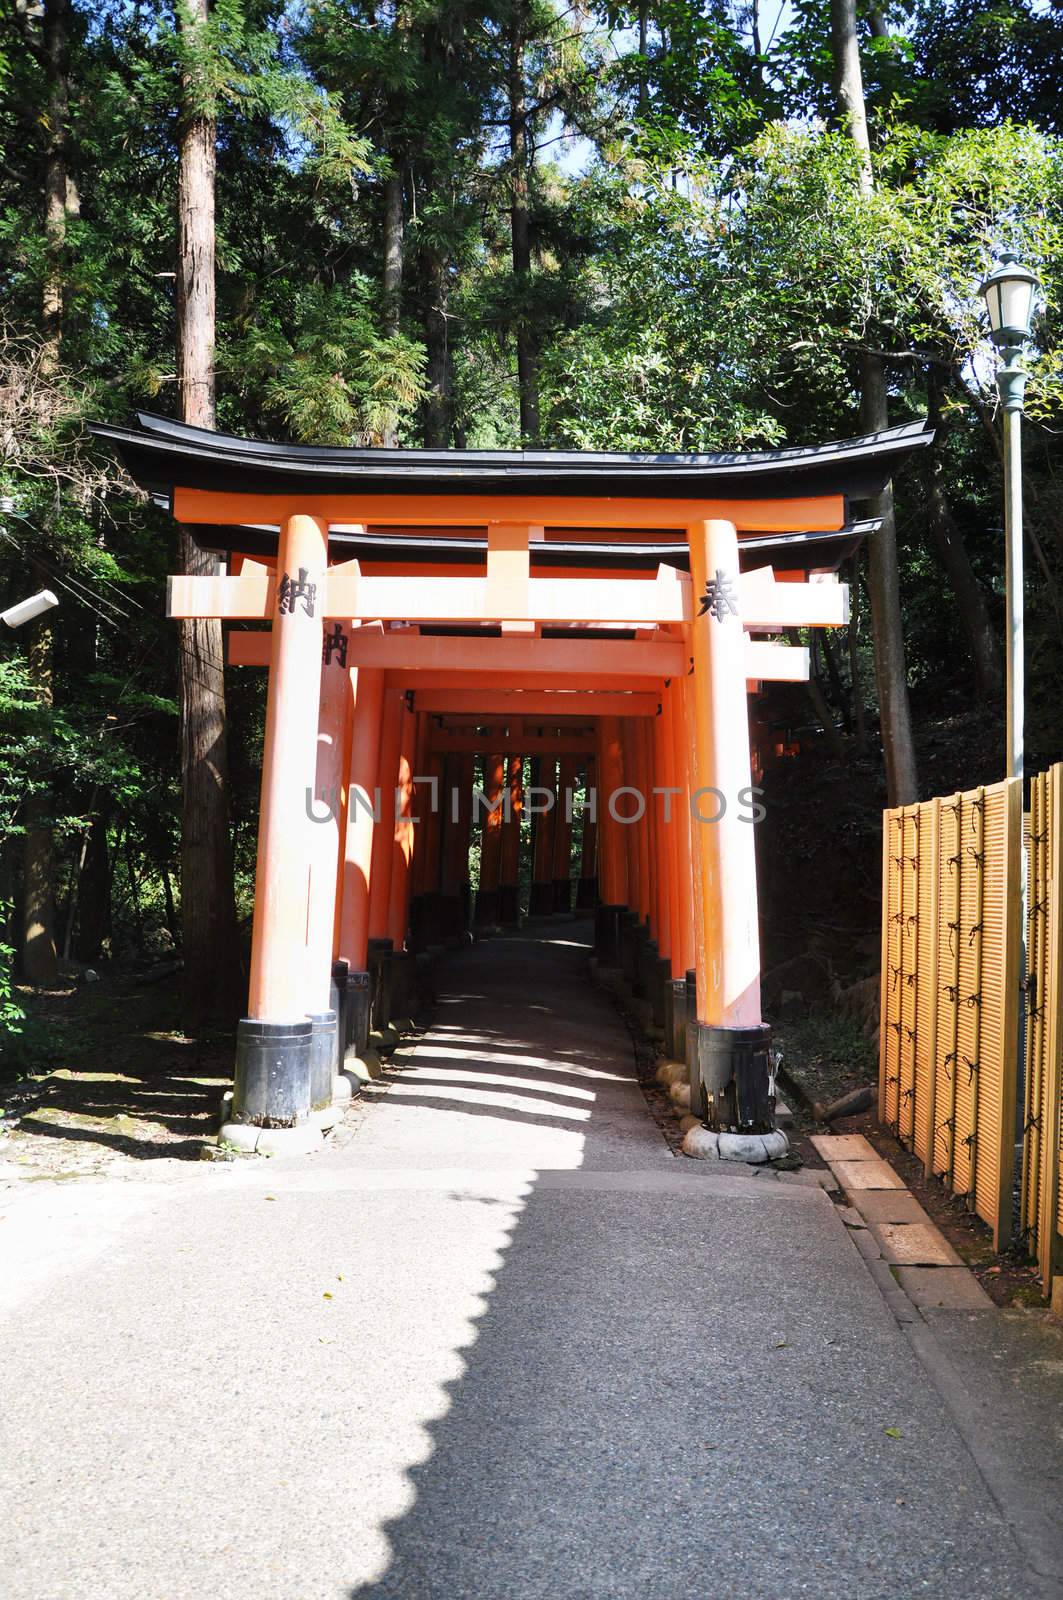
(417,608)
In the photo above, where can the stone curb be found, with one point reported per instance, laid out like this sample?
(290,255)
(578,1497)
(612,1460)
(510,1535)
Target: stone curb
(910,1259)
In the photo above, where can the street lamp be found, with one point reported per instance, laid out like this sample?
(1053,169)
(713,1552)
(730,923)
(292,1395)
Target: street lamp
(26,610)
(1009,292)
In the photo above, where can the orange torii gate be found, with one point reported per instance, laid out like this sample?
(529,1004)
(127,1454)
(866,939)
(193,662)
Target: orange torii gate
(621,604)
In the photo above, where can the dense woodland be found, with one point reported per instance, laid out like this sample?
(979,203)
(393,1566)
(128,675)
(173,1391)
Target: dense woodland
(678,226)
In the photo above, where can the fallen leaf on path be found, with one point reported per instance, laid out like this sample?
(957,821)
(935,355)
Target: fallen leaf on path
(894,1433)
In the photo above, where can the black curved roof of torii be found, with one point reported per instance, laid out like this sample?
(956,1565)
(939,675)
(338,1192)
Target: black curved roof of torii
(162,455)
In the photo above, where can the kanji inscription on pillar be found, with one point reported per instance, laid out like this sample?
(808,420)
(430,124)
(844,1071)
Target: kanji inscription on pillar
(296,592)
(721,596)
(334,643)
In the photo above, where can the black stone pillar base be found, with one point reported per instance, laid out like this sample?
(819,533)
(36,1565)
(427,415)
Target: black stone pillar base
(337,1001)
(323,1050)
(586,894)
(629,932)
(486,908)
(677,1037)
(416,920)
(607,935)
(734,1068)
(563,894)
(452,923)
(356,1015)
(697,1092)
(379,961)
(541,899)
(509,905)
(645,963)
(402,986)
(272,1080)
(662,973)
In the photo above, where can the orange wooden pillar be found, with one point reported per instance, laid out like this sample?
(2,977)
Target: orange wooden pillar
(566,784)
(495,794)
(662,876)
(733,1043)
(629,809)
(326,810)
(686,889)
(402,847)
(612,851)
(587,889)
(428,852)
(363,809)
(544,806)
(272,1082)
(509,884)
(380,944)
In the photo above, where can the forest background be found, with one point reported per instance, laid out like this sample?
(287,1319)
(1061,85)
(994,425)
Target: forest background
(667,227)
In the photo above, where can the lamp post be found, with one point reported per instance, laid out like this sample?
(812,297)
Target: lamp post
(1008,292)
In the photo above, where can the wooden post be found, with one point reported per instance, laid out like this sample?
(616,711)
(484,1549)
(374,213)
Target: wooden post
(612,854)
(380,944)
(453,912)
(401,830)
(587,891)
(566,783)
(491,841)
(509,886)
(326,811)
(733,1042)
(364,804)
(542,887)
(272,1086)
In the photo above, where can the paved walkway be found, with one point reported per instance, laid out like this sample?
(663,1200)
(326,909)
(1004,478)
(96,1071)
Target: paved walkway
(500,1344)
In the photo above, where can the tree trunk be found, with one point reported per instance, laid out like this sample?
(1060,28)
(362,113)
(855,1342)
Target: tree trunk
(527,352)
(853,632)
(56,39)
(437,359)
(39,956)
(952,553)
(902,784)
(208,908)
(93,924)
(818,701)
(394,242)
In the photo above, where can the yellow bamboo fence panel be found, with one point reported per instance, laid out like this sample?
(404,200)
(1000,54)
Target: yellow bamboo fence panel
(1041,1197)
(950,991)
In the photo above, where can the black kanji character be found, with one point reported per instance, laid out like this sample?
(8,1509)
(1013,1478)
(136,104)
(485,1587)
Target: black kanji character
(334,643)
(300,591)
(720,597)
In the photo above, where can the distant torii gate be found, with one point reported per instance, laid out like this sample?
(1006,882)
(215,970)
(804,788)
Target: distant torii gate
(610,594)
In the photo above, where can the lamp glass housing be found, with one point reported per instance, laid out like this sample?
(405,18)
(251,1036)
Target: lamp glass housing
(1009,292)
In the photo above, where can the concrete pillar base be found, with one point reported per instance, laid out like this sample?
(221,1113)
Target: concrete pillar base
(586,894)
(705,1144)
(362,1068)
(486,914)
(733,1067)
(326,1117)
(324,1053)
(271,1086)
(563,894)
(251,1140)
